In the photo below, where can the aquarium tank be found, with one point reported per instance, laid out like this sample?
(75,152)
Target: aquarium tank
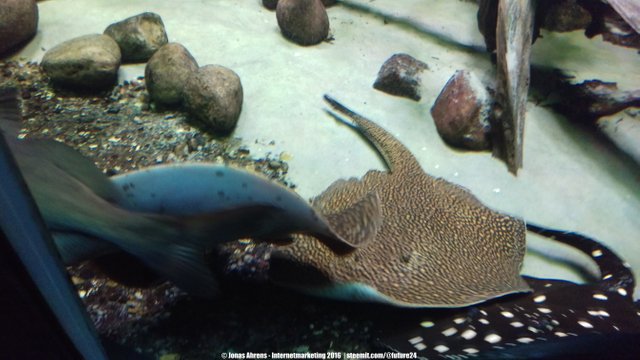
(319,179)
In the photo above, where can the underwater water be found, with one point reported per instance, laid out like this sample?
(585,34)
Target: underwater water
(572,178)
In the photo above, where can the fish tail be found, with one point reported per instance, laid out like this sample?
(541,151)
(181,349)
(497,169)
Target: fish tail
(615,273)
(170,248)
(397,157)
(9,111)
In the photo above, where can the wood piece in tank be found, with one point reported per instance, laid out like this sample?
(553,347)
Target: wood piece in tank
(513,46)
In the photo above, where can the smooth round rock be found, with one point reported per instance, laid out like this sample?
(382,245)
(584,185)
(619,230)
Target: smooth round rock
(167,72)
(138,36)
(86,62)
(213,96)
(304,22)
(271,4)
(18,23)
(461,112)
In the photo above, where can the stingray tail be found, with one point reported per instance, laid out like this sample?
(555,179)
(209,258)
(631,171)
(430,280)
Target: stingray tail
(397,157)
(615,273)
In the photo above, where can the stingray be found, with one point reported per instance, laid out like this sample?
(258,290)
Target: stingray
(559,319)
(437,246)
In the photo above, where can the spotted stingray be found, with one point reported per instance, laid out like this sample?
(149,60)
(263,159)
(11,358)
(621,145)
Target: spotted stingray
(559,319)
(438,246)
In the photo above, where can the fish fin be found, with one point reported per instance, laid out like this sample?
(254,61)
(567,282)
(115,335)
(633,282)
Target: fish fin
(166,245)
(74,164)
(359,224)
(75,247)
(9,112)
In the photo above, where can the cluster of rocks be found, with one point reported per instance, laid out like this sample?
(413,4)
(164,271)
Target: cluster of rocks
(305,22)
(212,94)
(91,62)
(462,112)
(18,23)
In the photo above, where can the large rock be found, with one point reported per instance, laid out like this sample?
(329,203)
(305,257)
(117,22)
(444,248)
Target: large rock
(272,4)
(304,22)
(213,96)
(18,23)
(462,112)
(138,36)
(87,62)
(400,76)
(167,72)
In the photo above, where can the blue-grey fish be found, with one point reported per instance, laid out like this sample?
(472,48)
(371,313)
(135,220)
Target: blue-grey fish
(90,215)
(559,319)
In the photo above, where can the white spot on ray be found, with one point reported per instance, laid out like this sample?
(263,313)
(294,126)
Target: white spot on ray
(585,324)
(544,310)
(420,346)
(427,324)
(539,299)
(471,350)
(598,313)
(560,334)
(525,340)
(616,328)
(492,338)
(415,340)
(441,348)
(484,321)
(507,314)
(607,277)
(468,334)
(596,253)
(517,324)
(458,320)
(533,330)
(622,291)
(449,332)
(483,312)
(599,296)
(548,285)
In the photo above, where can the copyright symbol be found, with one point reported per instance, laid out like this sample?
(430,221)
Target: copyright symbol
(223,355)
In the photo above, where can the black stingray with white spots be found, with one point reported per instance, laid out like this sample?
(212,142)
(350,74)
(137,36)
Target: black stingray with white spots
(558,320)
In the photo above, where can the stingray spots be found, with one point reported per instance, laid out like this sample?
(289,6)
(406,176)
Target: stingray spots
(525,340)
(484,321)
(600,296)
(585,324)
(468,334)
(471,351)
(600,313)
(493,338)
(544,310)
(441,348)
(450,332)
(622,292)
(516,324)
(417,343)
(507,314)
(429,324)
(596,253)
(539,299)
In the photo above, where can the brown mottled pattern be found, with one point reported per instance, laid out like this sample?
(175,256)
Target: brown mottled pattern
(437,246)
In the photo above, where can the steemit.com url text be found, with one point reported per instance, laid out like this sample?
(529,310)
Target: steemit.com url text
(319,355)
